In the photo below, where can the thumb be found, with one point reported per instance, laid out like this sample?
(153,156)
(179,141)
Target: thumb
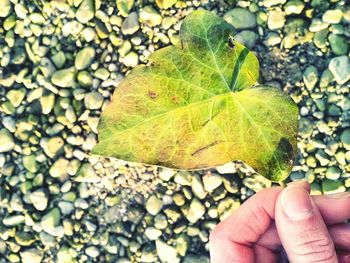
(301,228)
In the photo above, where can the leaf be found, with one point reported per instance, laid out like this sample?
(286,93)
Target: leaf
(194,107)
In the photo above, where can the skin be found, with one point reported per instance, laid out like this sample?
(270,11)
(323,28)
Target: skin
(280,223)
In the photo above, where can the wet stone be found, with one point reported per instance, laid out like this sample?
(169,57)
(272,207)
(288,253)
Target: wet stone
(240,18)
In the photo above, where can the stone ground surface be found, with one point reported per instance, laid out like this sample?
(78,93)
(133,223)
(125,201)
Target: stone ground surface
(59,63)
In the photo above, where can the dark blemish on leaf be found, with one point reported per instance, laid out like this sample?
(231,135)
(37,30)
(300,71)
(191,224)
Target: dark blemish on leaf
(205,147)
(231,42)
(210,119)
(152,94)
(174,99)
(282,157)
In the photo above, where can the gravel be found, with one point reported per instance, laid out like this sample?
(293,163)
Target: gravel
(61,61)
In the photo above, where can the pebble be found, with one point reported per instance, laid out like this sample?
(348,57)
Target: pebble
(59,168)
(247,38)
(32,255)
(332,187)
(86,11)
(5,8)
(310,77)
(84,58)
(275,19)
(50,221)
(294,7)
(124,6)
(92,251)
(340,68)
(198,188)
(30,163)
(339,44)
(332,16)
(13,220)
(131,24)
(64,78)
(93,100)
(211,182)
(152,233)
(183,178)
(269,3)
(131,60)
(154,205)
(333,173)
(166,253)
(7,142)
(150,17)
(39,199)
(240,18)
(195,211)
(87,174)
(345,138)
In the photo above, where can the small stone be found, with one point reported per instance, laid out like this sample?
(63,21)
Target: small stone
(294,7)
(5,8)
(64,78)
(86,11)
(211,181)
(59,168)
(59,59)
(30,163)
(340,68)
(84,79)
(240,18)
(247,38)
(320,38)
(272,39)
(227,206)
(195,211)
(333,173)
(150,17)
(269,3)
(345,138)
(84,58)
(52,146)
(339,44)
(310,77)
(32,255)
(131,60)
(39,199)
(332,16)
(166,253)
(166,174)
(152,233)
(92,251)
(226,168)
(154,205)
(16,96)
(50,221)
(198,188)
(7,142)
(124,6)
(332,187)
(93,100)
(131,24)
(24,239)
(275,19)
(13,220)
(87,174)
(183,178)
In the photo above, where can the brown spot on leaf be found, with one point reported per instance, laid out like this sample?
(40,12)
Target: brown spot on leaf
(205,148)
(152,94)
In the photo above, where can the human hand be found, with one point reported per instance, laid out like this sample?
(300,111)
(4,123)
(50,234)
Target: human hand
(285,221)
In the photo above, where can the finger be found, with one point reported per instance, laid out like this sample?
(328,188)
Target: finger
(341,236)
(232,240)
(344,256)
(334,208)
(301,228)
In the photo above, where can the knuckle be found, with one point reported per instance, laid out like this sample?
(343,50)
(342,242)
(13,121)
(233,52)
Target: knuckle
(314,247)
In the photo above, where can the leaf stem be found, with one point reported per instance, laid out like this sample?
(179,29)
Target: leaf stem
(237,69)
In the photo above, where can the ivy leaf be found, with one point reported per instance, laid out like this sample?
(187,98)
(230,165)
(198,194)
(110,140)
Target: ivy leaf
(194,106)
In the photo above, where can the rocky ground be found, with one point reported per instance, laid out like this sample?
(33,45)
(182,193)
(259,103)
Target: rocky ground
(61,60)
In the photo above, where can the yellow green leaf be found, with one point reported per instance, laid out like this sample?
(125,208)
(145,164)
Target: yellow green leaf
(195,106)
